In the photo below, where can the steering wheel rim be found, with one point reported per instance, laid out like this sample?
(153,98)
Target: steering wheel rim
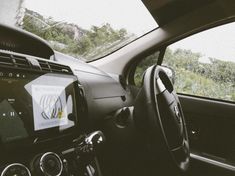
(164,115)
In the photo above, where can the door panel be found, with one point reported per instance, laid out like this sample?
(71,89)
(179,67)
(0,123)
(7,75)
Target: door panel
(211,126)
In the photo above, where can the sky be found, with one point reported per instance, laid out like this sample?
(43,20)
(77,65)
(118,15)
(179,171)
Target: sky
(129,14)
(218,42)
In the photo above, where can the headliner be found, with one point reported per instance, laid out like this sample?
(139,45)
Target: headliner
(165,11)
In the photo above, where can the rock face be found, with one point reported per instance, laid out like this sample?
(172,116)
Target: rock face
(74,31)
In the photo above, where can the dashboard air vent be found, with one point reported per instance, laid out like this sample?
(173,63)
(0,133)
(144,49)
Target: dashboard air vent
(21,62)
(6,59)
(53,67)
(44,65)
(16,61)
(60,68)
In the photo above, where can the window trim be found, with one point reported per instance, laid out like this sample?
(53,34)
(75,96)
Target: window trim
(224,22)
(206,98)
(130,68)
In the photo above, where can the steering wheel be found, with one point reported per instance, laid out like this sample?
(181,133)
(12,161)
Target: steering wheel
(158,113)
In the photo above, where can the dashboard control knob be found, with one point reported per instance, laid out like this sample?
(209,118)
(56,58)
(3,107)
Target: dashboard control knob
(16,169)
(48,164)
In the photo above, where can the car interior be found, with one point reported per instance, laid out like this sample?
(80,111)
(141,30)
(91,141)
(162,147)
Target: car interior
(150,107)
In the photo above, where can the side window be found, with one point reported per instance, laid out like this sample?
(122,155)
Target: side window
(143,65)
(204,63)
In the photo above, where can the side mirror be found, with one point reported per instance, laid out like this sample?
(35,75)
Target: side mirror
(170,73)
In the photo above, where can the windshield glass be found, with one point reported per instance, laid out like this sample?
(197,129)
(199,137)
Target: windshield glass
(85,29)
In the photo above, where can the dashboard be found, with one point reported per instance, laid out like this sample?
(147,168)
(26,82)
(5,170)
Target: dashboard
(50,104)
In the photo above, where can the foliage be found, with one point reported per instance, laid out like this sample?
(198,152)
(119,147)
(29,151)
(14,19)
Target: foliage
(215,79)
(70,39)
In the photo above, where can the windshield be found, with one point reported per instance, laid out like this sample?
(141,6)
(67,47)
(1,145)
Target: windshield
(85,29)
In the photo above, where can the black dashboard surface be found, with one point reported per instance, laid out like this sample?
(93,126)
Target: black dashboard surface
(104,93)
(13,39)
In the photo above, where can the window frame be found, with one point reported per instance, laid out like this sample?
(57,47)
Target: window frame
(130,71)
(225,22)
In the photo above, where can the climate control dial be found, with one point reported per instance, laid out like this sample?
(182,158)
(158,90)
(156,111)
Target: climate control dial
(48,164)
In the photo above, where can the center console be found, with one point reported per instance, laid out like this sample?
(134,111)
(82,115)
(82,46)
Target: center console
(41,110)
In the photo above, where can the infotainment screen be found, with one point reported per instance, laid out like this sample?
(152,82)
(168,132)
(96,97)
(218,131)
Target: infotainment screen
(34,105)
(49,106)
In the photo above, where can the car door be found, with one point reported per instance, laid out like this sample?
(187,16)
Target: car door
(204,69)
(204,66)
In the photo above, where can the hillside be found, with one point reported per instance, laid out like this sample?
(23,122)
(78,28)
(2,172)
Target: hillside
(215,79)
(71,39)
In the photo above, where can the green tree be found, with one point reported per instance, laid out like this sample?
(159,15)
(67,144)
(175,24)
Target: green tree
(93,43)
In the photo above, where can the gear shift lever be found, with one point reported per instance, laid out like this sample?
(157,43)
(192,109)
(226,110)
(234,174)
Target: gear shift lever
(86,149)
(90,143)
(95,138)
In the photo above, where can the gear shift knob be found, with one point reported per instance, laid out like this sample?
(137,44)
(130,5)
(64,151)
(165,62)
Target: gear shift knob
(90,143)
(95,138)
